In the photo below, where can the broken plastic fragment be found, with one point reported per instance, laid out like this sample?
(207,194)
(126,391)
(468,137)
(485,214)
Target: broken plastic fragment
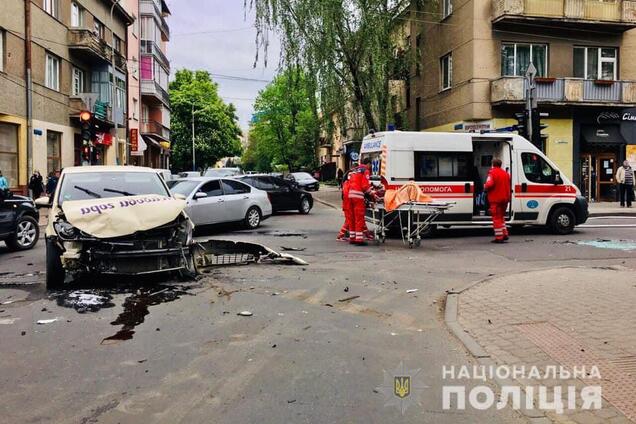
(46,321)
(245,314)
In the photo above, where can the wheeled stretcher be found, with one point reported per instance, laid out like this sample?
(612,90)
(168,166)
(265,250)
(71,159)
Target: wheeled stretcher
(412,219)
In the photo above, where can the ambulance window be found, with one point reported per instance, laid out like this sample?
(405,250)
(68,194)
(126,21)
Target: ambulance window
(536,169)
(449,166)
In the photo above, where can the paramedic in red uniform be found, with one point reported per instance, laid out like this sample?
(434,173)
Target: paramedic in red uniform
(346,208)
(359,185)
(498,188)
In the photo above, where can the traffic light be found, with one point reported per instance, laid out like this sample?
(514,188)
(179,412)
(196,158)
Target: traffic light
(86,122)
(538,138)
(522,124)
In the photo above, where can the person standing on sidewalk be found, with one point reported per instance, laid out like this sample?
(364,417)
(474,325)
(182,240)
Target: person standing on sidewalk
(498,188)
(625,178)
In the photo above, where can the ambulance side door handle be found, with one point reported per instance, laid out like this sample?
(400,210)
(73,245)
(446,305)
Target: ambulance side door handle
(467,188)
(524,187)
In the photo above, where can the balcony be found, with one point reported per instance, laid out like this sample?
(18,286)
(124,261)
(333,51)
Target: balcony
(91,102)
(152,89)
(156,129)
(149,7)
(151,48)
(86,41)
(616,16)
(565,91)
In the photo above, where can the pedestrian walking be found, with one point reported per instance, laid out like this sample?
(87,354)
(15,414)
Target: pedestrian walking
(4,184)
(359,185)
(36,185)
(625,178)
(498,188)
(344,234)
(340,177)
(51,185)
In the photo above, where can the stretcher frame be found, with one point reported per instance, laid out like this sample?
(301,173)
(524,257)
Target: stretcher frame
(413,218)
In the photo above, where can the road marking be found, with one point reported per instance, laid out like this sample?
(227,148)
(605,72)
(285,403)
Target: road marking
(607,226)
(612,217)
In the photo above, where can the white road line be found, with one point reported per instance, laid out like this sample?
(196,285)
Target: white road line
(612,217)
(607,226)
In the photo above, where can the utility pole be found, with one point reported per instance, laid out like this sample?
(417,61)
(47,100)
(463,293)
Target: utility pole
(114,86)
(194,162)
(29,86)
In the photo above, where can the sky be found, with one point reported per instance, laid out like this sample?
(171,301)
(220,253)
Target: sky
(216,36)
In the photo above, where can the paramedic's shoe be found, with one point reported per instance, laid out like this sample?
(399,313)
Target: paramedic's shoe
(360,243)
(498,241)
(369,236)
(343,238)
(506,238)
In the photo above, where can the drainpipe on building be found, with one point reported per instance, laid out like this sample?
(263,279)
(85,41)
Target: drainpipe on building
(29,85)
(114,89)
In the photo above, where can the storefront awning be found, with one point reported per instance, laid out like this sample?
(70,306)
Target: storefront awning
(602,134)
(141,147)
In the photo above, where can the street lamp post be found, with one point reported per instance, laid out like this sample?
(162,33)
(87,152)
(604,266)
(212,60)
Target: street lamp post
(114,86)
(194,164)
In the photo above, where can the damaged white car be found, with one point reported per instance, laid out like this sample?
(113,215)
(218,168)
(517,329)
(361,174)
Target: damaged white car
(115,220)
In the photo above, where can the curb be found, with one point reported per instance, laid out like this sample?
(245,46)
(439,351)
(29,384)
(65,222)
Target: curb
(331,205)
(610,214)
(451,311)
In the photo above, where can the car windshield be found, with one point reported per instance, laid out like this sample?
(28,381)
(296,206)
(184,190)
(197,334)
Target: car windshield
(301,176)
(102,185)
(184,187)
(220,172)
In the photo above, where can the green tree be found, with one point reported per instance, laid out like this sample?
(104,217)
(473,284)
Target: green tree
(215,123)
(346,46)
(285,129)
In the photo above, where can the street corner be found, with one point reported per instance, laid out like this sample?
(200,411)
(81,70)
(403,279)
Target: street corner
(564,333)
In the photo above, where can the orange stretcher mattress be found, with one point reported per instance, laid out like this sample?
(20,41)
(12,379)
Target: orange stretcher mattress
(409,192)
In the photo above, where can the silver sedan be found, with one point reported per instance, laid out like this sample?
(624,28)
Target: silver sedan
(220,200)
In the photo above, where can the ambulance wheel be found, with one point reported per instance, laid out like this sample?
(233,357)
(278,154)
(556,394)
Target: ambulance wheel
(562,221)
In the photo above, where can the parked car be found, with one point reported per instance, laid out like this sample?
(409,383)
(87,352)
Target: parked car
(19,217)
(222,200)
(284,195)
(222,172)
(165,174)
(304,180)
(115,220)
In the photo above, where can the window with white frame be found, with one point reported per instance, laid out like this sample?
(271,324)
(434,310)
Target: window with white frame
(78,82)
(52,72)
(77,15)
(51,7)
(447,8)
(446,69)
(516,57)
(100,30)
(596,63)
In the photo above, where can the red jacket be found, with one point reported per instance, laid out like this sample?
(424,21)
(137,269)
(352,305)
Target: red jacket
(359,183)
(498,185)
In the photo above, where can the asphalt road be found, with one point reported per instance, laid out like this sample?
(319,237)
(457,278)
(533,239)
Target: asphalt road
(177,352)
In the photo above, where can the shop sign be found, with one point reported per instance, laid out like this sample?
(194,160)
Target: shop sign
(134,140)
(104,138)
(630,154)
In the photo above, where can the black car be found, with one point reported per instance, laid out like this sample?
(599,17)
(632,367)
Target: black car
(19,227)
(284,195)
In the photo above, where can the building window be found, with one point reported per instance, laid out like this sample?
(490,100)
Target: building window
(446,69)
(52,77)
(100,30)
(596,63)
(2,37)
(515,59)
(121,94)
(447,8)
(53,151)
(9,153)
(418,113)
(78,82)
(51,7)
(77,15)
(117,44)
(418,55)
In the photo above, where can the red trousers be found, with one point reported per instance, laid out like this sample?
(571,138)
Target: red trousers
(357,225)
(498,213)
(346,227)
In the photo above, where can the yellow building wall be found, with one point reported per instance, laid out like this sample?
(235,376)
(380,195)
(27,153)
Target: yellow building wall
(22,145)
(560,145)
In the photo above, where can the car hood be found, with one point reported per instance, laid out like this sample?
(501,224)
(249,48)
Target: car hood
(121,216)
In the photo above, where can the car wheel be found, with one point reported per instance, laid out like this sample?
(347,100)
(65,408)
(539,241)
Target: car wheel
(305,205)
(562,221)
(253,218)
(55,273)
(26,234)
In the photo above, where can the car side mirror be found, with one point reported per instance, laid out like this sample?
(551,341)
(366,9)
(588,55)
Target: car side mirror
(557,179)
(180,196)
(200,195)
(42,202)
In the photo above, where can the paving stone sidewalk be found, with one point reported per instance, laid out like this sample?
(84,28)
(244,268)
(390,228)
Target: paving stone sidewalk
(564,317)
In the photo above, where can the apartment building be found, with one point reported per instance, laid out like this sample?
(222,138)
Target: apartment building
(154,69)
(472,56)
(67,47)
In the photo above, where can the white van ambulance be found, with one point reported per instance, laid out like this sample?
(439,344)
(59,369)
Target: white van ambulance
(454,167)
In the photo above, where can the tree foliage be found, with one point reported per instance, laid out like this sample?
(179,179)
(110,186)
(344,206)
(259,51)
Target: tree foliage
(215,123)
(345,46)
(285,128)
